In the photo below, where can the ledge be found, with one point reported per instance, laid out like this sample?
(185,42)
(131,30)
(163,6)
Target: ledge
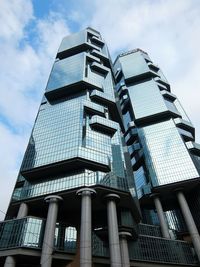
(99,68)
(104,125)
(193,147)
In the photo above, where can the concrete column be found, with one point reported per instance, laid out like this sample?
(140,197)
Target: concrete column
(189,222)
(23,211)
(113,234)
(86,227)
(10,262)
(123,236)
(49,234)
(161,217)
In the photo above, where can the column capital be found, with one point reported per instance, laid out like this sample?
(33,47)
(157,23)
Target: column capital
(85,192)
(155,195)
(125,234)
(53,199)
(114,197)
(179,189)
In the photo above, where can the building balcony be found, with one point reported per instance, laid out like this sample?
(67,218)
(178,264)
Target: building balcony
(149,230)
(123,91)
(103,125)
(93,108)
(187,136)
(120,85)
(149,247)
(162,82)
(153,66)
(104,98)
(137,159)
(77,48)
(99,68)
(185,125)
(26,232)
(123,100)
(72,181)
(193,147)
(168,95)
(147,74)
(101,56)
(97,41)
(134,148)
(131,136)
(78,158)
(160,250)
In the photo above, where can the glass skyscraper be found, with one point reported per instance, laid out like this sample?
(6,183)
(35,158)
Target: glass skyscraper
(110,175)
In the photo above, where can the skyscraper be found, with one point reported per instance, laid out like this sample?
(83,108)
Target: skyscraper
(110,158)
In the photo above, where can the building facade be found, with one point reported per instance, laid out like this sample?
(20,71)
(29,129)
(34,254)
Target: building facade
(111,172)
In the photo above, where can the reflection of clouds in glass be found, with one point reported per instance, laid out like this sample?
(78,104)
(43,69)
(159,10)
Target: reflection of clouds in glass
(170,159)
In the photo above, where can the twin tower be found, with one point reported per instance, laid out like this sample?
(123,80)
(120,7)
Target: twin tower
(110,176)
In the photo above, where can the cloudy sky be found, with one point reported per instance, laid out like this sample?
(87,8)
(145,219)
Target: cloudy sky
(30,34)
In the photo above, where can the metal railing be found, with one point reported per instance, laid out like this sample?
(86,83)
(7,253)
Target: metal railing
(149,230)
(68,182)
(26,232)
(154,249)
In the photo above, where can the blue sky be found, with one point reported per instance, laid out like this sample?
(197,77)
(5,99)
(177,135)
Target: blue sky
(31,32)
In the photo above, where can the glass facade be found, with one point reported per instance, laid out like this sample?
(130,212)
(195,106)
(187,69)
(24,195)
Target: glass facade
(133,64)
(166,155)
(82,138)
(76,142)
(26,232)
(66,71)
(146,95)
(154,119)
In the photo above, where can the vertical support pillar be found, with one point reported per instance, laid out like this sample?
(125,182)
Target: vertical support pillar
(161,217)
(49,234)
(189,222)
(10,262)
(123,236)
(23,211)
(86,227)
(113,234)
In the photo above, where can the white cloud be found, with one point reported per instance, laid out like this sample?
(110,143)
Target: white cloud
(12,146)
(51,31)
(24,69)
(14,15)
(168,30)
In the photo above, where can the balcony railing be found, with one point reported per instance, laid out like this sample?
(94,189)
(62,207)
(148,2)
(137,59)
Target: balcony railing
(99,247)
(154,249)
(149,230)
(26,232)
(151,249)
(68,182)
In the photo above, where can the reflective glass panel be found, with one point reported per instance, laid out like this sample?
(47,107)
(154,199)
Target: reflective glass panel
(166,155)
(66,71)
(146,99)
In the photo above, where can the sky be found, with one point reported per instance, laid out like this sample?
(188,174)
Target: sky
(30,34)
